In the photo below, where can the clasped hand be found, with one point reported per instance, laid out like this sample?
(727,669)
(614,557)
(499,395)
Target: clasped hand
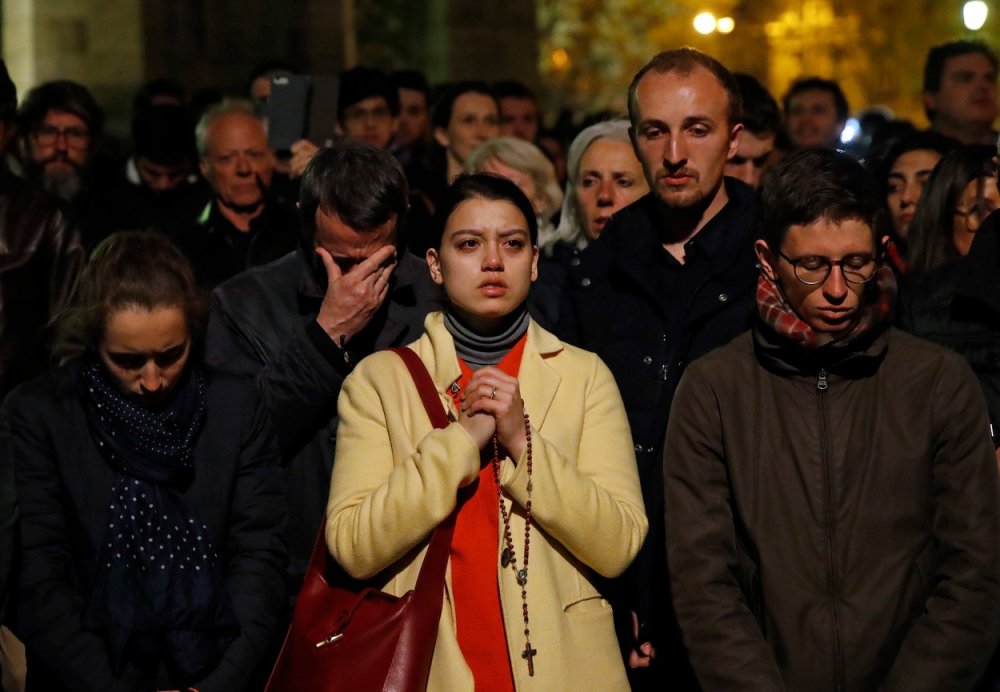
(491,403)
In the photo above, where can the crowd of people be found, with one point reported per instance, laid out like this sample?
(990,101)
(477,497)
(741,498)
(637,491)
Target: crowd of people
(724,385)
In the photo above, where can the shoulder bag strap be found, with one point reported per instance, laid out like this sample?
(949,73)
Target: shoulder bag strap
(433,568)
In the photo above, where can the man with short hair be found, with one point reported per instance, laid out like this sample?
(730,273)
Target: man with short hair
(518,110)
(670,278)
(414,128)
(761,122)
(300,324)
(368,106)
(831,490)
(815,113)
(157,188)
(960,91)
(242,226)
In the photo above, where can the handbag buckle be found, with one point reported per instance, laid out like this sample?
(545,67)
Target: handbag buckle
(329,640)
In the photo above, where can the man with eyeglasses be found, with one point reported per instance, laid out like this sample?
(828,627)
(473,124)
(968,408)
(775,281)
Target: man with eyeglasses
(831,490)
(59,123)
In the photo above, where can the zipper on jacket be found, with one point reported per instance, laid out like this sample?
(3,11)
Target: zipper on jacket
(838,655)
(821,383)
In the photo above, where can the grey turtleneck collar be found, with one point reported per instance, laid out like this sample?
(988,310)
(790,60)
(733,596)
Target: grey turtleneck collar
(478,350)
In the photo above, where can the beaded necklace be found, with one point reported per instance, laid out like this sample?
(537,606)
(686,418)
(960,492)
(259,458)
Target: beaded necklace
(508,557)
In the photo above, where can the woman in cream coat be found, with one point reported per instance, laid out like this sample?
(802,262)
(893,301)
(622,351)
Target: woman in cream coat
(395,479)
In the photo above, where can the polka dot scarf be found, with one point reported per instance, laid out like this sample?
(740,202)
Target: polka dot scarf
(159,594)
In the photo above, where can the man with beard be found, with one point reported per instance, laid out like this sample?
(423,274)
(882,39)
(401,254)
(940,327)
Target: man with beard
(41,259)
(242,226)
(670,278)
(59,124)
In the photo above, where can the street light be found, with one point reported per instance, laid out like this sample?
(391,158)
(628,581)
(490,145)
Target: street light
(974,13)
(704,23)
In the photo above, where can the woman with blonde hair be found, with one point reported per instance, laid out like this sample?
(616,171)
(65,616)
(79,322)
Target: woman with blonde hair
(527,167)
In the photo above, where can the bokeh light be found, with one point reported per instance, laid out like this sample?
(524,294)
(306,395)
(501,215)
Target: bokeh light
(974,13)
(704,23)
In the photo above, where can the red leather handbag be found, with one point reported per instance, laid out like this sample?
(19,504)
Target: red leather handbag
(344,639)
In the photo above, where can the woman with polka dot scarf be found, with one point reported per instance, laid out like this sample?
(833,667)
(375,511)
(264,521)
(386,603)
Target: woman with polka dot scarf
(150,494)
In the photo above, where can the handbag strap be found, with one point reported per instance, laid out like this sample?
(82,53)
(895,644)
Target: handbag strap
(433,568)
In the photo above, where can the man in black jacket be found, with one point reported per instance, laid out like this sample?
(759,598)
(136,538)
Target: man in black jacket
(243,225)
(301,323)
(670,278)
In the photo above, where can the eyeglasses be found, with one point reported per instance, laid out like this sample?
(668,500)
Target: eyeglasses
(46,135)
(813,269)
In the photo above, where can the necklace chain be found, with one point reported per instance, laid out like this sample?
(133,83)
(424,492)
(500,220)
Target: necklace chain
(520,574)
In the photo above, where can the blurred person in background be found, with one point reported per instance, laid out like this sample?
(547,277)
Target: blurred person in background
(466,115)
(413,133)
(604,177)
(158,188)
(59,126)
(41,258)
(368,106)
(904,174)
(960,193)
(761,123)
(242,226)
(960,91)
(815,113)
(519,115)
(526,166)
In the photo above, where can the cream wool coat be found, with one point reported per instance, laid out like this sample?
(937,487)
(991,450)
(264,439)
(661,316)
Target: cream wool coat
(395,479)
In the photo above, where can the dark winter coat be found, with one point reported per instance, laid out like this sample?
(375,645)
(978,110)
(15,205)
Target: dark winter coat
(263,325)
(833,524)
(64,493)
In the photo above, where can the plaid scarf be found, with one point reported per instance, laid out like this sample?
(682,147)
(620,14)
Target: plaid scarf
(774,311)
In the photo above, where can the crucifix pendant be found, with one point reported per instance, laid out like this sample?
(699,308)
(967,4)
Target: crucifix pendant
(529,655)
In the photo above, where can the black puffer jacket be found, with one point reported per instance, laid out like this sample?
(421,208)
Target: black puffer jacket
(958,305)
(832,524)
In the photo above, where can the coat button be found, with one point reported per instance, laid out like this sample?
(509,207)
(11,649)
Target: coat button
(574,262)
(723,297)
(585,282)
(638,449)
(648,360)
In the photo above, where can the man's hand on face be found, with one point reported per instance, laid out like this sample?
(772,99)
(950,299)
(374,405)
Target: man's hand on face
(352,298)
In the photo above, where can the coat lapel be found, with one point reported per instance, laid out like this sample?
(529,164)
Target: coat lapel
(539,382)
